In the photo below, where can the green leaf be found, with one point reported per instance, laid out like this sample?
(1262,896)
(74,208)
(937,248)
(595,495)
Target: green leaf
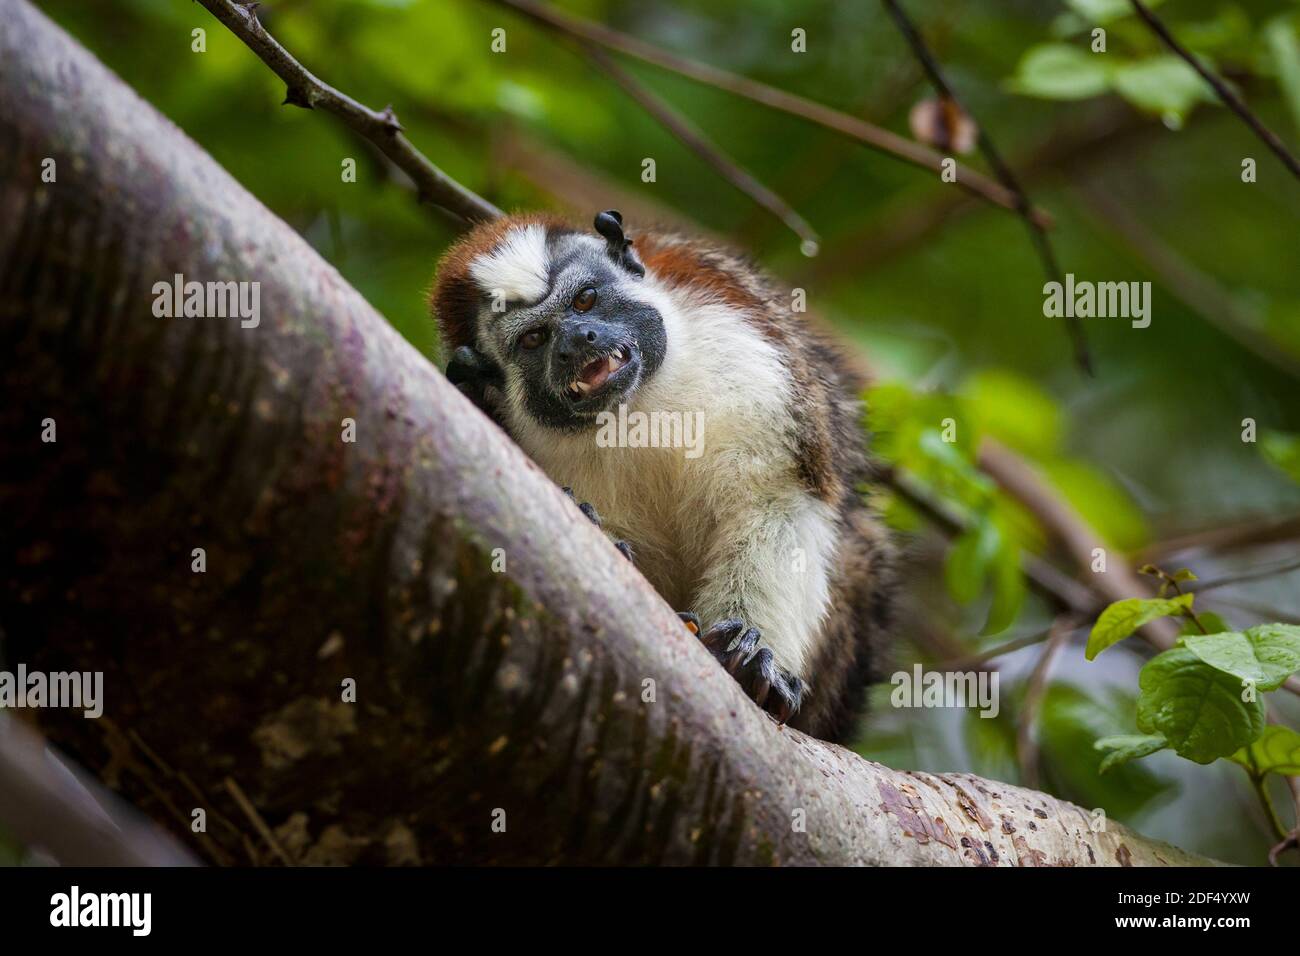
(1014,410)
(1266,655)
(1008,592)
(1276,751)
(1209,620)
(1165,85)
(1058,71)
(969,561)
(1196,707)
(1070,723)
(1125,747)
(1124,617)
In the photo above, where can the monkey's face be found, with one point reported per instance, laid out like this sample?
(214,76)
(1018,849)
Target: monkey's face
(572,330)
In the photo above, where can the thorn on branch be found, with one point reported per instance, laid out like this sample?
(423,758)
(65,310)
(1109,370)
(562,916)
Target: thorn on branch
(250,8)
(296,97)
(390,120)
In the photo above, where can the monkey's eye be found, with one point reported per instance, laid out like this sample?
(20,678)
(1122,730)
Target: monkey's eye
(584,300)
(532,338)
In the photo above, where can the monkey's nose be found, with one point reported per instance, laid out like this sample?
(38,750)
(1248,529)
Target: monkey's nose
(580,339)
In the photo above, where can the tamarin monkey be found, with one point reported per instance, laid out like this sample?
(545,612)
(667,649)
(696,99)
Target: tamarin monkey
(763,534)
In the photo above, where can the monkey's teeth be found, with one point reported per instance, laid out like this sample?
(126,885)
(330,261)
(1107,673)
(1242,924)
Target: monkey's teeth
(597,373)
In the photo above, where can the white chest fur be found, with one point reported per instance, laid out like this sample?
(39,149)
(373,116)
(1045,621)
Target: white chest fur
(719,529)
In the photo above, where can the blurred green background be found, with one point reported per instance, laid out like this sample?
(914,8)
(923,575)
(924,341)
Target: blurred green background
(942,294)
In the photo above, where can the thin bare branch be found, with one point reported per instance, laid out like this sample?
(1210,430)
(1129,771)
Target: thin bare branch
(693,139)
(1063,151)
(1255,574)
(1026,746)
(1248,533)
(241,800)
(1221,89)
(1064,593)
(380,128)
(1042,245)
(877,138)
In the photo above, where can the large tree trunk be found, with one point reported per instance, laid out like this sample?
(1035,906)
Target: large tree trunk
(519,695)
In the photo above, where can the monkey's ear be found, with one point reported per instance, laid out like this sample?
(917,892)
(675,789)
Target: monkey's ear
(610,225)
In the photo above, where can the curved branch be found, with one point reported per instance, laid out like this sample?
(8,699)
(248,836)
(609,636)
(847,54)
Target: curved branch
(1042,244)
(693,139)
(380,128)
(881,140)
(1221,89)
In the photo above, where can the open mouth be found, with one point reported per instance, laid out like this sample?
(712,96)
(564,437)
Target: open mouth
(596,373)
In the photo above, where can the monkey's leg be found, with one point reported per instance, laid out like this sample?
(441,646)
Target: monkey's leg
(775,690)
(767,566)
(587,508)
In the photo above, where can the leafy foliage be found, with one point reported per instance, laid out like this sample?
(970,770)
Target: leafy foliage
(1102,49)
(1265,655)
(1122,618)
(1198,709)
(1276,750)
(1201,699)
(1121,748)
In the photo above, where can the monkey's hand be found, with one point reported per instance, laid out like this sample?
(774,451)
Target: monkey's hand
(587,508)
(478,378)
(774,690)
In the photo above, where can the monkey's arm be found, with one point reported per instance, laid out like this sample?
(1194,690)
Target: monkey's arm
(588,509)
(479,379)
(767,586)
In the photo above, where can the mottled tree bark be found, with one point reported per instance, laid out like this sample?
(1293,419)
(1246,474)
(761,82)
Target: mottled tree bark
(515,695)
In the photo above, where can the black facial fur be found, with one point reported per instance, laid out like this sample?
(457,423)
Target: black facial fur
(618,324)
(554,343)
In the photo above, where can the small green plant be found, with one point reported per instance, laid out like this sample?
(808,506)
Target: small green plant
(1202,698)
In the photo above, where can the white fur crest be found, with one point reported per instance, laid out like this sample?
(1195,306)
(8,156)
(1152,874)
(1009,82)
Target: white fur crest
(518,267)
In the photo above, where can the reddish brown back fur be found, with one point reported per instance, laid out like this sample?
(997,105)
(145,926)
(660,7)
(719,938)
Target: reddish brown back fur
(683,263)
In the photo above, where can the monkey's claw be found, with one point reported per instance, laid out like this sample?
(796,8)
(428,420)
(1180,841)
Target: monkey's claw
(735,647)
(587,508)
